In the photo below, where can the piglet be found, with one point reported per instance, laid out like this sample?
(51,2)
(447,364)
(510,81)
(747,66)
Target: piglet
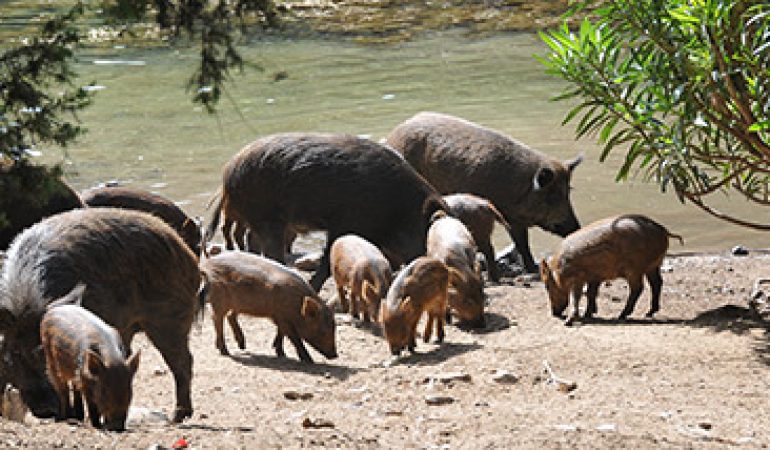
(627,246)
(81,348)
(362,271)
(420,286)
(244,283)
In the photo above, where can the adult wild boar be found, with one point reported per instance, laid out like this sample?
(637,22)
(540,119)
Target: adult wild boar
(334,182)
(140,276)
(450,242)
(479,216)
(243,283)
(83,352)
(528,187)
(361,271)
(157,205)
(629,246)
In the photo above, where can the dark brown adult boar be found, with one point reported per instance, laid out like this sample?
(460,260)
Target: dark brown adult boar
(479,216)
(339,183)
(450,242)
(81,350)
(157,205)
(628,246)
(362,275)
(140,276)
(528,187)
(244,283)
(419,287)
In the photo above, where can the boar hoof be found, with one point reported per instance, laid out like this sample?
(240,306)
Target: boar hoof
(623,316)
(223,351)
(180,414)
(650,313)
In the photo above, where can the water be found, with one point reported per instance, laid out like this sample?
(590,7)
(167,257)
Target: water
(144,131)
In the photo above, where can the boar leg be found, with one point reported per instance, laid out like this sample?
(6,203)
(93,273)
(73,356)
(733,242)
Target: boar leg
(521,239)
(343,299)
(592,292)
(219,328)
(78,411)
(171,340)
(428,329)
(577,292)
(232,319)
(489,255)
(299,345)
(322,273)
(227,230)
(635,286)
(656,282)
(94,414)
(278,344)
(62,391)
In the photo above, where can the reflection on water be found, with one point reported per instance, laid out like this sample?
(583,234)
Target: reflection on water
(144,131)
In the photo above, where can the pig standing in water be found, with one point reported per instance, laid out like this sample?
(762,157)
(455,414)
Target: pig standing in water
(244,283)
(479,216)
(456,155)
(80,348)
(627,246)
(420,286)
(360,268)
(451,243)
(140,276)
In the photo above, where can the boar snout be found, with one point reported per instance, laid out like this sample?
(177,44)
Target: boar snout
(565,227)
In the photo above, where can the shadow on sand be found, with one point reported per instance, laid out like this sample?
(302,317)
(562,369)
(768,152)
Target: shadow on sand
(438,355)
(292,365)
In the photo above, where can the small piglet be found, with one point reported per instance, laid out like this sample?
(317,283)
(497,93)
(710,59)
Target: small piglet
(81,348)
(244,283)
(627,246)
(361,269)
(450,242)
(420,286)
(479,215)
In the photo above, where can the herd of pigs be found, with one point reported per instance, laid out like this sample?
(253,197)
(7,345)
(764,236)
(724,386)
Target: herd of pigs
(78,284)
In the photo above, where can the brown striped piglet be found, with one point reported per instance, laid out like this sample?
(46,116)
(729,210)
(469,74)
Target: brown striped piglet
(450,242)
(362,271)
(80,348)
(244,283)
(478,215)
(420,286)
(626,246)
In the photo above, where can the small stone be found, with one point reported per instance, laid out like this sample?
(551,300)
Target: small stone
(317,423)
(566,427)
(294,395)
(505,377)
(448,377)
(740,250)
(565,386)
(606,427)
(158,371)
(437,400)
(705,425)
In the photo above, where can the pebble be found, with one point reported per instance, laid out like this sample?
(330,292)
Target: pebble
(294,395)
(317,423)
(144,416)
(504,377)
(448,377)
(437,400)
(740,250)
(606,427)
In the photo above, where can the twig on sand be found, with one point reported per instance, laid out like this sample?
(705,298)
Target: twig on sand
(560,383)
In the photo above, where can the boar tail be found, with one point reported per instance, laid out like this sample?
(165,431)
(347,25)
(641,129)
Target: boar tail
(675,236)
(211,228)
(203,293)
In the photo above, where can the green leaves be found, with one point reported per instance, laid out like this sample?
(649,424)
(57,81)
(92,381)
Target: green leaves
(682,86)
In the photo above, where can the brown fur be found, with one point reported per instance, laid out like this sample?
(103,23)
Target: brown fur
(243,283)
(479,216)
(137,199)
(83,350)
(455,155)
(359,268)
(420,286)
(627,246)
(450,242)
(140,276)
(334,182)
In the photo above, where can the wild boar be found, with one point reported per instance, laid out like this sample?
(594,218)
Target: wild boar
(157,205)
(80,348)
(450,242)
(628,246)
(244,283)
(479,216)
(420,286)
(528,187)
(334,182)
(140,276)
(359,268)
(27,196)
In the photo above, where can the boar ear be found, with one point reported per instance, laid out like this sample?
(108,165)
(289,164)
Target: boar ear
(74,297)
(310,307)
(133,361)
(94,364)
(543,178)
(572,163)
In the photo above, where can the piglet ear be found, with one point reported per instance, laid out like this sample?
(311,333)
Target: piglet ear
(310,307)
(544,270)
(133,362)
(94,364)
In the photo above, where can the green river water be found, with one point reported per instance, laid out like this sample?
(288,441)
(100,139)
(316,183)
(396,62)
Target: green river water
(145,132)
